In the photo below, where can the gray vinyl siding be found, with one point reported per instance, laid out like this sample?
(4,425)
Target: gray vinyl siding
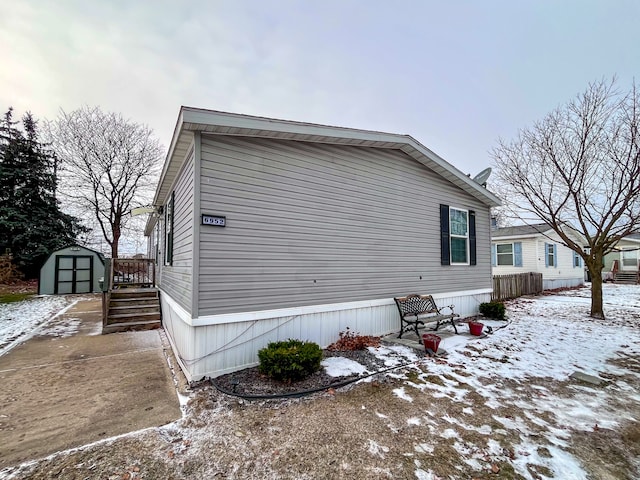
(315,223)
(176,279)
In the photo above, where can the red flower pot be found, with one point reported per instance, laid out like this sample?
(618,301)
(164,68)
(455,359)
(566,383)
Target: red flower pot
(475,328)
(431,341)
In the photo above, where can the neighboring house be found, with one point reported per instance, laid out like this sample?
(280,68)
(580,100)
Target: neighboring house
(626,257)
(274,229)
(536,248)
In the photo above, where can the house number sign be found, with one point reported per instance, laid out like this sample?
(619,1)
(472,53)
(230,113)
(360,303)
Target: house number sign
(216,220)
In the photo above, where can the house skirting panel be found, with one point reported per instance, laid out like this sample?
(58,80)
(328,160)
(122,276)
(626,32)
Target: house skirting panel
(218,344)
(551,283)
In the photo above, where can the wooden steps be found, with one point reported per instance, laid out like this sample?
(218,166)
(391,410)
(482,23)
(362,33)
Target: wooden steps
(132,309)
(628,278)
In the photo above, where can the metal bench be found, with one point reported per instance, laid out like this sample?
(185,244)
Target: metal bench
(416,309)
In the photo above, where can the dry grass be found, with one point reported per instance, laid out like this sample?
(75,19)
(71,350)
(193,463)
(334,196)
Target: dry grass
(365,431)
(18,291)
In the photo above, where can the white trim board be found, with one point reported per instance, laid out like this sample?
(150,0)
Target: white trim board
(293,311)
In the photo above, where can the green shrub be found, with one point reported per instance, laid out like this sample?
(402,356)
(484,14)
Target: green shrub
(290,359)
(493,310)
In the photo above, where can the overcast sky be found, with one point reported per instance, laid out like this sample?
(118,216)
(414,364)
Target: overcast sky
(455,75)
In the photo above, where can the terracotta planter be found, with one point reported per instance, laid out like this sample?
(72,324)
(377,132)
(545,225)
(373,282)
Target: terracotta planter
(431,341)
(475,328)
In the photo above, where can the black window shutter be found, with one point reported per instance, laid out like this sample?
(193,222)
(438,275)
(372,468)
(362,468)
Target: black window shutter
(173,214)
(472,237)
(445,253)
(169,228)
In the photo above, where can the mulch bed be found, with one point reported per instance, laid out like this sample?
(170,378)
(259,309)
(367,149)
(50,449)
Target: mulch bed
(251,382)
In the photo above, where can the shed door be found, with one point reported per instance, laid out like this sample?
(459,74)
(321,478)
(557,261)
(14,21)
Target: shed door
(74,274)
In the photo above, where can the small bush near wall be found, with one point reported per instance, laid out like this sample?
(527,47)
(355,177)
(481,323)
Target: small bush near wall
(290,359)
(350,341)
(493,310)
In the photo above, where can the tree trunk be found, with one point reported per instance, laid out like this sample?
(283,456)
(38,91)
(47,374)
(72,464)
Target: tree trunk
(596,295)
(116,241)
(595,268)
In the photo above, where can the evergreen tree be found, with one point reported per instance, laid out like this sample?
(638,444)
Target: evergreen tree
(31,223)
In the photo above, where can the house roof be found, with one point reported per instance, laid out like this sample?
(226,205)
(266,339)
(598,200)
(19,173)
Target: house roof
(535,230)
(522,230)
(214,122)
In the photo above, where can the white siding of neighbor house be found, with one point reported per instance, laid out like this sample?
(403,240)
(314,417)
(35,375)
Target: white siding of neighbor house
(533,260)
(176,279)
(529,257)
(623,245)
(313,224)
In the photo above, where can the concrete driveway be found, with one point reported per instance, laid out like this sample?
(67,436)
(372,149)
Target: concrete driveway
(68,385)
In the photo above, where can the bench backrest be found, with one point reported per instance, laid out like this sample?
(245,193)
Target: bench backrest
(412,304)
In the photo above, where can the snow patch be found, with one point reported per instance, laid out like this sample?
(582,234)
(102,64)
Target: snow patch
(342,367)
(424,448)
(70,327)
(377,449)
(400,393)
(450,433)
(21,320)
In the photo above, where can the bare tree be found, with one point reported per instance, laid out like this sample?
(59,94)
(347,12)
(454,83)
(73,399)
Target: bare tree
(579,167)
(108,164)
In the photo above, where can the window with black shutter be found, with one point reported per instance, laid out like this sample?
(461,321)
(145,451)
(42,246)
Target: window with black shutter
(457,236)
(168,225)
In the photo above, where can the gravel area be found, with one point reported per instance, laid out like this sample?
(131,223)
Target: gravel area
(251,382)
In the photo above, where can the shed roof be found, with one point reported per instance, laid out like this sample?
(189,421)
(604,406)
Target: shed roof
(214,122)
(75,245)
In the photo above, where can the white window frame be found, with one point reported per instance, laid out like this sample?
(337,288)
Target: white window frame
(628,260)
(465,237)
(513,255)
(551,255)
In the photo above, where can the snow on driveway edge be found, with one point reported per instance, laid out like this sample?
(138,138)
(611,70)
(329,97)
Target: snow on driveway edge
(16,338)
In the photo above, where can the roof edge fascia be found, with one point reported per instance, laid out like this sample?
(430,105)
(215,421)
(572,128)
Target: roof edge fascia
(523,235)
(174,140)
(577,236)
(150,225)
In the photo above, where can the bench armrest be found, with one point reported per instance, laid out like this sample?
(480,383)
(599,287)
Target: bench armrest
(450,307)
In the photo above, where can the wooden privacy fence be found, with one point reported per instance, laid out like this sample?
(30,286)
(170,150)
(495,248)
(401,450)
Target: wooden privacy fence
(516,285)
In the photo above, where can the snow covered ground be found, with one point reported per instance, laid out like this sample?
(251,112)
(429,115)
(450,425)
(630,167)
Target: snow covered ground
(522,373)
(548,339)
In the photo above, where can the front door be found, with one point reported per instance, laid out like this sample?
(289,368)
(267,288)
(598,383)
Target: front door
(629,260)
(74,274)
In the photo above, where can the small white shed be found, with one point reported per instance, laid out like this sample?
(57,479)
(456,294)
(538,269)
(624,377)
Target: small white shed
(72,269)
